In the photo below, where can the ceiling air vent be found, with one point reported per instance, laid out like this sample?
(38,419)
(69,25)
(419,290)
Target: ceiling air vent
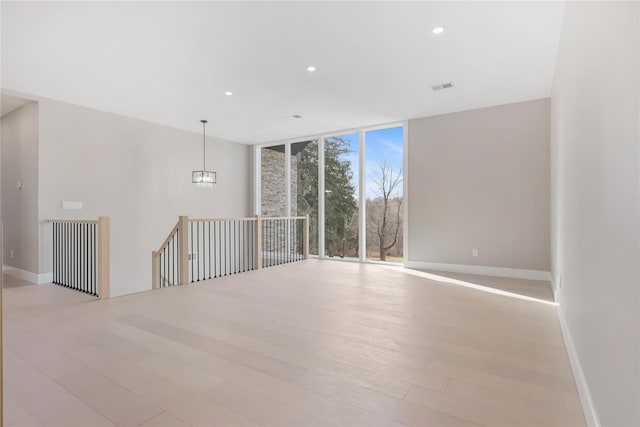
(443,86)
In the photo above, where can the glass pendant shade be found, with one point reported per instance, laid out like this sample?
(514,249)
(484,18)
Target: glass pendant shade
(203,178)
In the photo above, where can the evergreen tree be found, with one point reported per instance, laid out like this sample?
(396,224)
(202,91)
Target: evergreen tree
(340,201)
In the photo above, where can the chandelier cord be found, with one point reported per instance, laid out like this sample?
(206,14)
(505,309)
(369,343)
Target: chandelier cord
(204,149)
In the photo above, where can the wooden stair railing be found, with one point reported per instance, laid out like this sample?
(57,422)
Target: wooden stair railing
(202,249)
(81,255)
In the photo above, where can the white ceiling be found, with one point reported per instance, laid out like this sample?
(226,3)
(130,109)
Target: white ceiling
(170,62)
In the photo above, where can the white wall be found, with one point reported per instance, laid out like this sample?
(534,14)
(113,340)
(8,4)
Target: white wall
(20,206)
(480,179)
(137,173)
(595,214)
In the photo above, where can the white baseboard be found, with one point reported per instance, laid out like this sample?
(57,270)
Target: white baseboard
(513,273)
(27,275)
(590,414)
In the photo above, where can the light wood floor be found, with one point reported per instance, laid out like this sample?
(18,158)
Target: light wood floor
(9,281)
(313,343)
(536,289)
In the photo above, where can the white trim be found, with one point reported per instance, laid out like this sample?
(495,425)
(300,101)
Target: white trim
(332,134)
(28,276)
(287,194)
(588,408)
(287,179)
(257,180)
(513,273)
(321,197)
(362,196)
(405,191)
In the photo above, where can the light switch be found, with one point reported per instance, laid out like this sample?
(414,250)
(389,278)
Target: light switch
(72,205)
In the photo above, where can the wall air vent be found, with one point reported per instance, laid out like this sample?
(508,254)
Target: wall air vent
(443,86)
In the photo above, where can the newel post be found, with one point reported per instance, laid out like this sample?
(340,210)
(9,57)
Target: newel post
(155,270)
(1,316)
(258,243)
(183,249)
(306,237)
(104,269)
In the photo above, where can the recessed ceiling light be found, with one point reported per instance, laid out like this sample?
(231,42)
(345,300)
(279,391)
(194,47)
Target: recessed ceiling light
(438,30)
(228,93)
(311,68)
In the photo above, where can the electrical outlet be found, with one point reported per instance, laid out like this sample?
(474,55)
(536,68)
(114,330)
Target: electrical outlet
(11,254)
(474,252)
(72,205)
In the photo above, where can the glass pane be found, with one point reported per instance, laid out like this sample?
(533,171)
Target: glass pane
(383,156)
(341,196)
(304,187)
(273,200)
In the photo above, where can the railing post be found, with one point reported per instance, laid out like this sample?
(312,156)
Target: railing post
(104,291)
(258,242)
(306,237)
(1,316)
(183,249)
(155,270)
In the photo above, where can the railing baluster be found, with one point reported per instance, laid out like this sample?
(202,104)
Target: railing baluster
(176,259)
(226,250)
(76,268)
(94,249)
(243,246)
(254,236)
(83,257)
(85,252)
(236,246)
(219,247)
(55,258)
(71,266)
(91,260)
(82,282)
(74,258)
(67,265)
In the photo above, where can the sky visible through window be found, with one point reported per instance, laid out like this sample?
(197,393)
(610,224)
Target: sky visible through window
(381,145)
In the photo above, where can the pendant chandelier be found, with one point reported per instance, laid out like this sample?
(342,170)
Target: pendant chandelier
(203,178)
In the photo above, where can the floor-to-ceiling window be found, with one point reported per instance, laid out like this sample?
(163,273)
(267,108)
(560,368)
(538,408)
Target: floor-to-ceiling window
(384,195)
(350,185)
(304,186)
(341,196)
